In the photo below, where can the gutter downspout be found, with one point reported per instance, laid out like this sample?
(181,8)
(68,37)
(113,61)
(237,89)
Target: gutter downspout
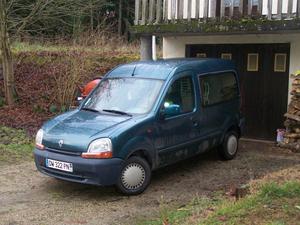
(154,54)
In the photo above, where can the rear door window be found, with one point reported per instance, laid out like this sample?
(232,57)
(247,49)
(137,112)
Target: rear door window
(218,88)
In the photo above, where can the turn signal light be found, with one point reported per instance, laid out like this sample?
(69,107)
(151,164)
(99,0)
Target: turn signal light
(98,155)
(40,146)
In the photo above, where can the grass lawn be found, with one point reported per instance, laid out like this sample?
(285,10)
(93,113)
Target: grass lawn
(271,204)
(15,146)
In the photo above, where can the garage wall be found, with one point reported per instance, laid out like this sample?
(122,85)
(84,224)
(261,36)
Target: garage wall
(174,47)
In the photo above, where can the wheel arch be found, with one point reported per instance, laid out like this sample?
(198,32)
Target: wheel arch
(143,154)
(235,128)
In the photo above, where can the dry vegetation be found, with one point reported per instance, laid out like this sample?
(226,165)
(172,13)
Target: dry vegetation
(48,76)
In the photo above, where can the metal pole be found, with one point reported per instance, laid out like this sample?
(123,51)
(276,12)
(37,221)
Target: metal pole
(154,56)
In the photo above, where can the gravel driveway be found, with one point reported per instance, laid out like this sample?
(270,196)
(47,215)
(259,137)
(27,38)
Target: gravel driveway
(28,197)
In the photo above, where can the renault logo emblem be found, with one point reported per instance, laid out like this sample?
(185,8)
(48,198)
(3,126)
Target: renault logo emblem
(60,143)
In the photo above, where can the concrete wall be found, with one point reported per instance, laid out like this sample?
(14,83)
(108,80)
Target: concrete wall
(174,47)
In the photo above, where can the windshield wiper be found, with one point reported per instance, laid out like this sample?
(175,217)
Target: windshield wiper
(117,112)
(89,109)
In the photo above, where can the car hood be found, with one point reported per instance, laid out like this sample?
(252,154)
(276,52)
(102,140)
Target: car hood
(75,130)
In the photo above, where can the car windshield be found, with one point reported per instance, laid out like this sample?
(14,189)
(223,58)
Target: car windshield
(124,95)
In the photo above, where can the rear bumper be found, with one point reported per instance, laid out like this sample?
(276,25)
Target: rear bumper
(102,172)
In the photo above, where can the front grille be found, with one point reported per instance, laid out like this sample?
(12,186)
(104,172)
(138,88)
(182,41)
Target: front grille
(63,151)
(62,175)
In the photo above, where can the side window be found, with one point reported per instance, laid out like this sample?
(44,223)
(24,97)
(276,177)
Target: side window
(180,97)
(218,88)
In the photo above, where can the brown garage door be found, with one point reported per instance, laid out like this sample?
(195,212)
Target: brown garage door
(264,72)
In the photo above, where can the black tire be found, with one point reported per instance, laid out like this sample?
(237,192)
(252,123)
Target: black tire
(134,165)
(229,147)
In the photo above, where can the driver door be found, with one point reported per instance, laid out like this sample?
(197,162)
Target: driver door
(177,129)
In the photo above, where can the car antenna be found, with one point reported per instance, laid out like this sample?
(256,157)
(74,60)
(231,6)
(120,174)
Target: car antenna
(133,71)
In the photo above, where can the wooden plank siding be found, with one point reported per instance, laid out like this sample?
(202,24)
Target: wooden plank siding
(279,9)
(137,11)
(149,12)
(159,7)
(298,9)
(270,9)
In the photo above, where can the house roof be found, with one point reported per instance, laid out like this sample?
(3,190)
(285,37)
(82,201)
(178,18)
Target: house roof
(162,69)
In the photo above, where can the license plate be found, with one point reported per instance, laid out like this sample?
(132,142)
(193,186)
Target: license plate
(64,166)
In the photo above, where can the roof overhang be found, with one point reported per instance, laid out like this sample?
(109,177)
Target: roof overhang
(213,27)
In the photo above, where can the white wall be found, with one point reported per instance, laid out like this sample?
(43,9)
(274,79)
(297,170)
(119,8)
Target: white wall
(174,47)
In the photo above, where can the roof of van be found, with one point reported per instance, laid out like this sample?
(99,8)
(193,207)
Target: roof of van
(161,69)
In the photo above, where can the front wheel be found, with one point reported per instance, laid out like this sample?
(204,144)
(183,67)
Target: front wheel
(229,147)
(135,176)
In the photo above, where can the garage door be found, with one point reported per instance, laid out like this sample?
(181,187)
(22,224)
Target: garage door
(264,80)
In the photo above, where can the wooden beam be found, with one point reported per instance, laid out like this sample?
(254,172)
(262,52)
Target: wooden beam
(222,10)
(231,8)
(189,9)
(249,7)
(158,11)
(151,11)
(180,10)
(213,8)
(137,12)
(290,9)
(298,8)
(279,9)
(166,10)
(241,8)
(197,16)
(144,12)
(270,9)
(259,7)
(205,12)
(293,117)
(173,10)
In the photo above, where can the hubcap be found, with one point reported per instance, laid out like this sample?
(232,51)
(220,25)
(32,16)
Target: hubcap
(133,176)
(232,144)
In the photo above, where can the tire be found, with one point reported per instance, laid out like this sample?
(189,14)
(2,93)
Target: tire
(229,148)
(131,184)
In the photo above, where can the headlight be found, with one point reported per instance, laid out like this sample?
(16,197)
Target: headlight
(99,149)
(39,139)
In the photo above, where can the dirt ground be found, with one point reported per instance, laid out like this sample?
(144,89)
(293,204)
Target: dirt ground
(28,197)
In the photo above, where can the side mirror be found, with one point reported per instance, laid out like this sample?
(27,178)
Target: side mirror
(79,100)
(171,110)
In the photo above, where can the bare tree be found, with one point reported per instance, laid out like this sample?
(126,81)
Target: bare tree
(7,60)
(55,17)
(5,46)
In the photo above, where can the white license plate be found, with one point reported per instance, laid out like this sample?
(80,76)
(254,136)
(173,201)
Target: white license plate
(64,166)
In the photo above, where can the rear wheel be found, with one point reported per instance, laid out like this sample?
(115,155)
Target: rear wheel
(135,176)
(229,148)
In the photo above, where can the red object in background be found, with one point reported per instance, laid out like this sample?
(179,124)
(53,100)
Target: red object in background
(89,87)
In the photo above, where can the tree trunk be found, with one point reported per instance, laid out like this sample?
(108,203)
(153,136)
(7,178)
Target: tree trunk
(91,17)
(7,60)
(120,17)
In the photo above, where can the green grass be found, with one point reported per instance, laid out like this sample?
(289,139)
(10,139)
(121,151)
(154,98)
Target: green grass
(272,204)
(15,146)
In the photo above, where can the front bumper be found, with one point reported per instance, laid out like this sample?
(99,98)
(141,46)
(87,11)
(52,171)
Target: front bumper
(102,172)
